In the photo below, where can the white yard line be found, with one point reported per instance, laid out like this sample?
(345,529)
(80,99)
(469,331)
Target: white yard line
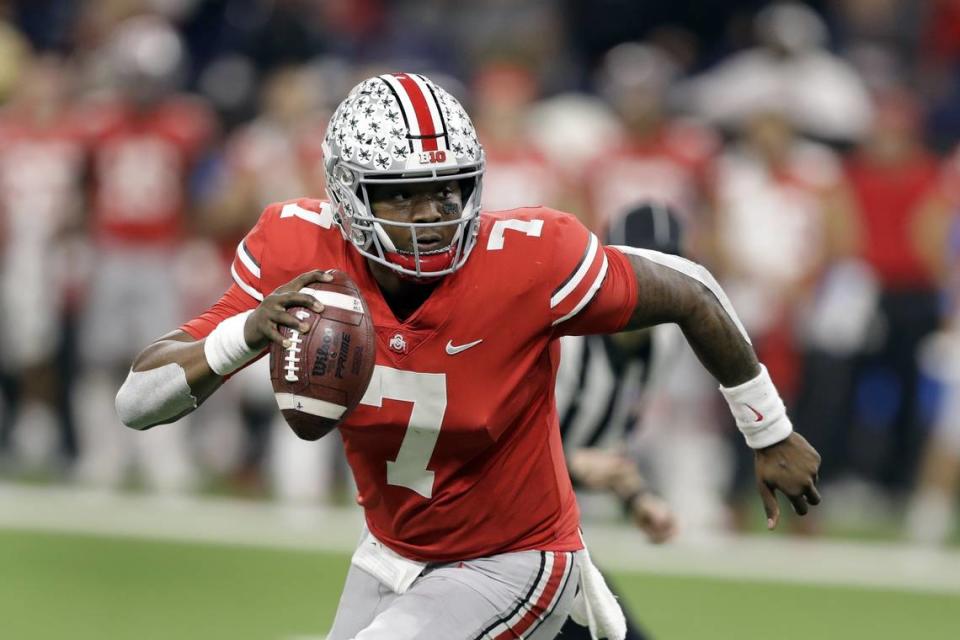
(239,522)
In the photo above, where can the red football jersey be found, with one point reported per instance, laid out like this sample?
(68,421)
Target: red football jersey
(671,167)
(142,163)
(41,174)
(455,447)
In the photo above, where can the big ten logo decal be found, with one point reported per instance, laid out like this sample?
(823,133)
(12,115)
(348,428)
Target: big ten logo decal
(432,157)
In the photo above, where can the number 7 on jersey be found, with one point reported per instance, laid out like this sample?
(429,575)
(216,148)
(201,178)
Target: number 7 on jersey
(428,393)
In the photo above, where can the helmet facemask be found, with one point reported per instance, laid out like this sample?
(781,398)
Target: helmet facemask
(376,138)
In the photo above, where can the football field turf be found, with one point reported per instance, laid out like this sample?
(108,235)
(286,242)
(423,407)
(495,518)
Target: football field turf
(79,586)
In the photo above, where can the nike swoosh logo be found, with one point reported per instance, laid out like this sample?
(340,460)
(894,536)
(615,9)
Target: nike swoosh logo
(756,413)
(454,350)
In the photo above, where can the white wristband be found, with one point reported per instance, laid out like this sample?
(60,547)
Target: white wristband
(225,348)
(758,410)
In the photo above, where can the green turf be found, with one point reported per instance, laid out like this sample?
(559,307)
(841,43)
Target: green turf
(78,587)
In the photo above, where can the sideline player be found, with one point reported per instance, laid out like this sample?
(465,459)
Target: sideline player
(147,141)
(472,524)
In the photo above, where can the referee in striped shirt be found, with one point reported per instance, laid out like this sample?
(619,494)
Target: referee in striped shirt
(599,385)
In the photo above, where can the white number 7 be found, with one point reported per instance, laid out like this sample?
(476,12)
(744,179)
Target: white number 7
(428,393)
(532,228)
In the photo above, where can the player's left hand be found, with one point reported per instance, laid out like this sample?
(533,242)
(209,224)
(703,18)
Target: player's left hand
(654,517)
(789,466)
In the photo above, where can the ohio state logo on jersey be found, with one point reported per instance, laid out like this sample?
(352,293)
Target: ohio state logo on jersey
(398,344)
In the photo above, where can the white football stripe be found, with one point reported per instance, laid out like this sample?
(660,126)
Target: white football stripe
(580,274)
(588,296)
(253,293)
(562,585)
(405,104)
(247,262)
(314,407)
(335,299)
(533,599)
(432,107)
(692,270)
(505,625)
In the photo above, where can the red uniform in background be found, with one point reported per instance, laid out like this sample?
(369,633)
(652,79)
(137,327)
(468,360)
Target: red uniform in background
(473,370)
(889,200)
(41,194)
(143,160)
(671,166)
(142,164)
(518,177)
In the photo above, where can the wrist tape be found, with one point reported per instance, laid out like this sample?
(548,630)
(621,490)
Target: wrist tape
(225,348)
(758,410)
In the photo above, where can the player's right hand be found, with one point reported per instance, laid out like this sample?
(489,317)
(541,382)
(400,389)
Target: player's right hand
(262,326)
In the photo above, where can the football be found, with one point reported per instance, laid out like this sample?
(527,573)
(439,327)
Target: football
(319,379)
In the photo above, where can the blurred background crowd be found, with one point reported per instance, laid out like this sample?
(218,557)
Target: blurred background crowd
(810,150)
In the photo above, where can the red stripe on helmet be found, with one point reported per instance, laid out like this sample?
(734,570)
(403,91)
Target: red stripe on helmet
(422,111)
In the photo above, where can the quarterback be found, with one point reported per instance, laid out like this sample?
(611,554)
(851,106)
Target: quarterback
(471,521)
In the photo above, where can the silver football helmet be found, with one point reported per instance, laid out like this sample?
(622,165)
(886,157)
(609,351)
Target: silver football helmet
(402,128)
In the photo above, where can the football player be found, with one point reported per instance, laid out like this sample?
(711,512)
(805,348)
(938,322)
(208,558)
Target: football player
(471,521)
(147,143)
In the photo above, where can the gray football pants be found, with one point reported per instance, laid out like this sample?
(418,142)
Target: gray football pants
(527,594)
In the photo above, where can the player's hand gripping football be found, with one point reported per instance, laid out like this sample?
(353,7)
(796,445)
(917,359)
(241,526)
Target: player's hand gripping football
(789,466)
(261,327)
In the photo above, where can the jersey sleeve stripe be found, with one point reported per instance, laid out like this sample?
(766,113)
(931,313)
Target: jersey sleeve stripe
(693,270)
(578,274)
(249,290)
(247,259)
(588,296)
